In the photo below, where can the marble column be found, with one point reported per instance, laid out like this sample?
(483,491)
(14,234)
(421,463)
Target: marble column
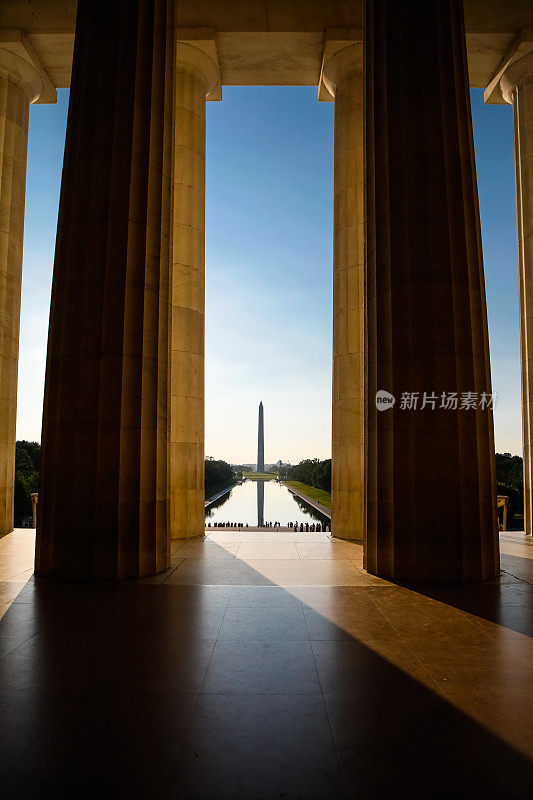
(343,77)
(20,85)
(196,76)
(431,507)
(103,507)
(516,86)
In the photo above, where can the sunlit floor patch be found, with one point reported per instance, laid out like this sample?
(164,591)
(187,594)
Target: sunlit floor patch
(273,649)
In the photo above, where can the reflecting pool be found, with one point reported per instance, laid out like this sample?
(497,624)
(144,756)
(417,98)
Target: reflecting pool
(260,502)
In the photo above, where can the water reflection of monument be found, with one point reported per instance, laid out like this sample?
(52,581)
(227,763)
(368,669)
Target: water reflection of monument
(260,503)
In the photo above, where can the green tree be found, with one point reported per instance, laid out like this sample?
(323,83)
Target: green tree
(312,472)
(27,456)
(218,475)
(509,481)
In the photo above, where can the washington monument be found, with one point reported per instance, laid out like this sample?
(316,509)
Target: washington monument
(260,442)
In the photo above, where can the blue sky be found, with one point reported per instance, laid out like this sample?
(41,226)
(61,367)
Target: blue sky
(269,221)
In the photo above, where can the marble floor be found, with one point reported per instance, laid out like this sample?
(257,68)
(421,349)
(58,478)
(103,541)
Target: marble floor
(265,665)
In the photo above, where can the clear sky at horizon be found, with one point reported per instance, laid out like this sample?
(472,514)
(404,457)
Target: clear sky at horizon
(269,223)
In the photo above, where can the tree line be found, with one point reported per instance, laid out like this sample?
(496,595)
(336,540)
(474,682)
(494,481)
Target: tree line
(313,472)
(27,457)
(509,481)
(219,474)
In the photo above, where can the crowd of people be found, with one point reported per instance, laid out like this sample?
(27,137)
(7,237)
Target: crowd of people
(306,526)
(310,527)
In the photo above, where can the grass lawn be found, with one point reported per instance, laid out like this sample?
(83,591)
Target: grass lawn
(319,495)
(259,476)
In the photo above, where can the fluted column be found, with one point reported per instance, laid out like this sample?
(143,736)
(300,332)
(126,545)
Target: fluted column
(196,76)
(343,77)
(103,506)
(516,86)
(431,512)
(20,85)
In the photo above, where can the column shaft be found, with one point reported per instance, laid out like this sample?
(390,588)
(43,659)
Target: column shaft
(523,137)
(186,478)
(14,115)
(348,428)
(102,510)
(431,512)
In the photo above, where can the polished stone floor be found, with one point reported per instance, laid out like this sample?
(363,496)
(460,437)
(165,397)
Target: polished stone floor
(265,665)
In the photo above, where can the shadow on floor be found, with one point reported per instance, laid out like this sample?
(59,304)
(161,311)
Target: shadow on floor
(187,691)
(506,603)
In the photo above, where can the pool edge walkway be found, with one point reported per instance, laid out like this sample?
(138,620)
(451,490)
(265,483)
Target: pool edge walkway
(220,494)
(317,506)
